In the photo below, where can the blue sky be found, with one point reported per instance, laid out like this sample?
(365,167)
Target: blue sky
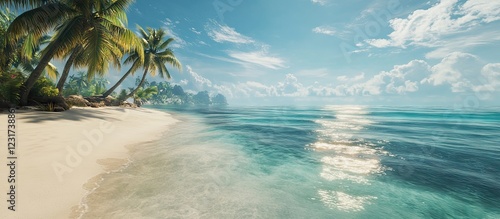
(381,52)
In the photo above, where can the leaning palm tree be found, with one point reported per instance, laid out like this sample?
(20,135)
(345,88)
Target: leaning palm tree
(73,54)
(151,48)
(133,57)
(95,25)
(156,55)
(29,56)
(25,55)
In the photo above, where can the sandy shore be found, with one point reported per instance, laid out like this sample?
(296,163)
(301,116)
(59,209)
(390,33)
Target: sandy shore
(59,153)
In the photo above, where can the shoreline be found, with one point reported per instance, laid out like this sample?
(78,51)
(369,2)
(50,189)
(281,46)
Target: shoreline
(62,156)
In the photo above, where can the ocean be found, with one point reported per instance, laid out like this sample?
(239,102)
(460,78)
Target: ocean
(311,162)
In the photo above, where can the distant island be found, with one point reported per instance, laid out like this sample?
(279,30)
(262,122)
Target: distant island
(163,93)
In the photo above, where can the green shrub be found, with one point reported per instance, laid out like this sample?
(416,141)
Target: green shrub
(49,91)
(43,88)
(122,95)
(10,83)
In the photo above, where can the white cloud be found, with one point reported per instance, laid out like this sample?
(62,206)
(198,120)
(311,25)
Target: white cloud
(373,85)
(459,70)
(195,81)
(490,82)
(319,2)
(324,30)
(401,79)
(464,72)
(407,78)
(318,73)
(291,87)
(137,11)
(195,31)
(169,26)
(462,43)
(223,33)
(379,43)
(256,89)
(483,10)
(492,73)
(429,27)
(258,58)
(345,78)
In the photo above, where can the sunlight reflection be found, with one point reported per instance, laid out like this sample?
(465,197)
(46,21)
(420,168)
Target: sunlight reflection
(343,201)
(359,166)
(346,156)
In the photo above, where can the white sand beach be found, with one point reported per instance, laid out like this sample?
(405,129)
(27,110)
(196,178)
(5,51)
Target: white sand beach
(59,155)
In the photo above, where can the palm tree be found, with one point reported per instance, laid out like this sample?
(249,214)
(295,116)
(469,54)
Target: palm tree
(20,58)
(152,44)
(97,26)
(156,55)
(100,85)
(6,17)
(144,84)
(30,54)
(23,3)
(144,94)
(135,66)
(69,63)
(80,81)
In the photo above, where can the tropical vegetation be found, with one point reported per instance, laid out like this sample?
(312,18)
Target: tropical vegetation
(90,36)
(163,93)
(156,54)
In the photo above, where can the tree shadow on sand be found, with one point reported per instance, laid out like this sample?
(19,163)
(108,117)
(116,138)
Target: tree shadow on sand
(72,115)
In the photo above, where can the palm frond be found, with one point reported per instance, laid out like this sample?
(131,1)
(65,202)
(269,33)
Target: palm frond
(68,36)
(51,71)
(137,64)
(124,37)
(22,3)
(116,7)
(38,21)
(165,72)
(94,50)
(131,58)
(143,33)
(165,44)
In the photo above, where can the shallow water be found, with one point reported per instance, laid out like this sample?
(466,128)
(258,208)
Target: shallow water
(328,162)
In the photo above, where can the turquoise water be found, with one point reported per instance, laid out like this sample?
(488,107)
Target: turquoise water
(325,162)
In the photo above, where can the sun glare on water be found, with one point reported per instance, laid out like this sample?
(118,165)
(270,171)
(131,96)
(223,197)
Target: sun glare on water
(345,158)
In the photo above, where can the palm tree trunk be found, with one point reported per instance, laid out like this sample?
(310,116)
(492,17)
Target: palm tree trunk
(138,86)
(67,67)
(107,93)
(28,84)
